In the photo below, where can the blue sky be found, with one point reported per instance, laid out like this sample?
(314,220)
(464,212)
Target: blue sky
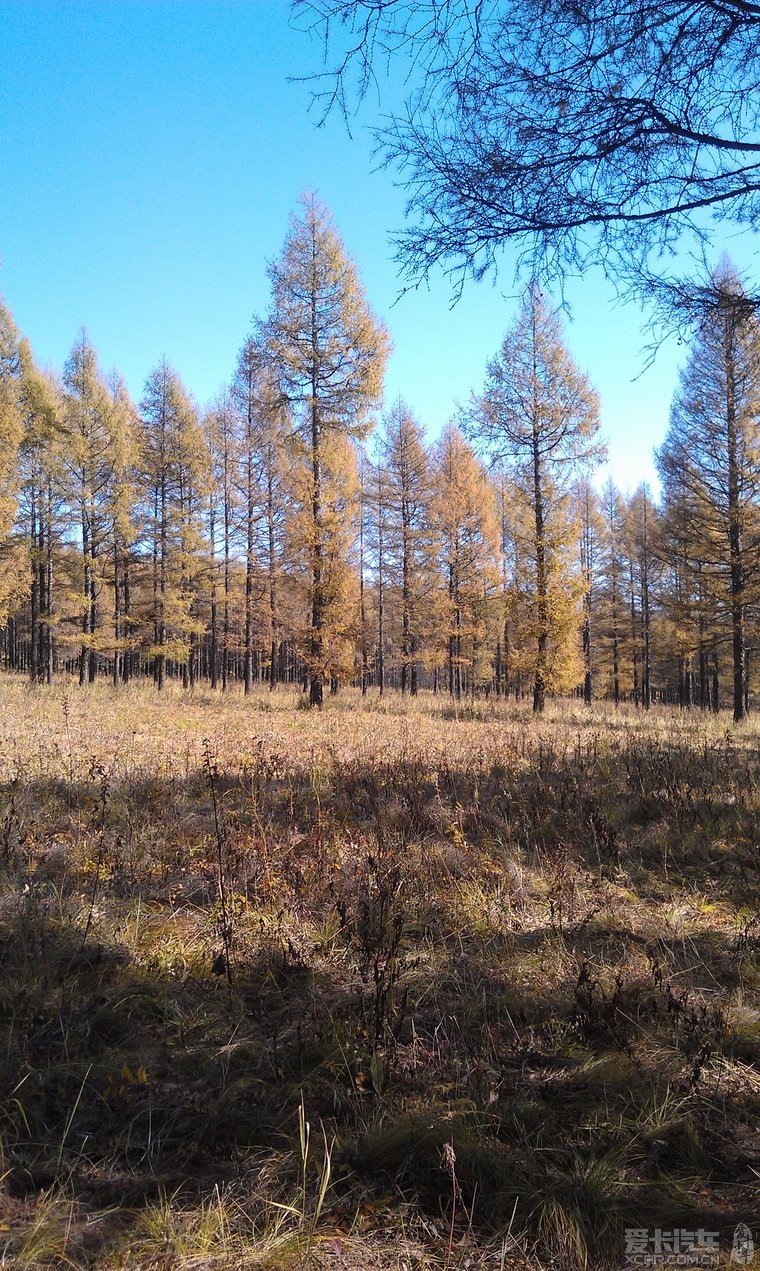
(152,153)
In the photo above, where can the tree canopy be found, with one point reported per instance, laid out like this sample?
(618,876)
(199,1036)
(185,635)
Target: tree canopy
(575,129)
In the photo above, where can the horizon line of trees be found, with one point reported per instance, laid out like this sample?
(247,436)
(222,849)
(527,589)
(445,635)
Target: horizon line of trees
(262,541)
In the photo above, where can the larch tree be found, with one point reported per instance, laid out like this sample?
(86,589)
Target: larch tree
(123,430)
(692,628)
(464,515)
(611,603)
(364,473)
(11,434)
(710,461)
(328,352)
(590,525)
(265,446)
(89,466)
(222,441)
(377,500)
(275,502)
(504,495)
(98,458)
(408,533)
(340,586)
(249,390)
(539,414)
(643,568)
(40,520)
(174,469)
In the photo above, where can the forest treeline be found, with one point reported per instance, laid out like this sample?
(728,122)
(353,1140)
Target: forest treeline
(295,531)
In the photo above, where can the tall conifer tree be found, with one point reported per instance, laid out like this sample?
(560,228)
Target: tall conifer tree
(15,360)
(329,353)
(409,534)
(175,465)
(464,510)
(539,414)
(710,461)
(90,460)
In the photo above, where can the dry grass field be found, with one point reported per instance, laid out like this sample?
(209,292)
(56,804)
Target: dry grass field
(390,986)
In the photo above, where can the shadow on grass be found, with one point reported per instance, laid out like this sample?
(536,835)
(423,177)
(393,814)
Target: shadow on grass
(498,971)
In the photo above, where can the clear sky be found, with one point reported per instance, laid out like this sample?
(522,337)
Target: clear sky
(151,155)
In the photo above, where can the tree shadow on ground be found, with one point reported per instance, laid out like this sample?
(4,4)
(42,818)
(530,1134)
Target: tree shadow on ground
(388,954)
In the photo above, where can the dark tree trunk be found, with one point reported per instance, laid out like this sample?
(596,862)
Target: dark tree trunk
(539,680)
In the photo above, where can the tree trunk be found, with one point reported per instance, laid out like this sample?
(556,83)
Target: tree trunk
(364,664)
(163,566)
(35,594)
(539,680)
(127,659)
(646,666)
(738,642)
(634,638)
(380,594)
(48,647)
(272,581)
(316,649)
(214,647)
(93,660)
(249,562)
(117,603)
(84,650)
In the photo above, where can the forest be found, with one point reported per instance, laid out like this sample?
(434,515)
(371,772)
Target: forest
(457,966)
(298,531)
(379,796)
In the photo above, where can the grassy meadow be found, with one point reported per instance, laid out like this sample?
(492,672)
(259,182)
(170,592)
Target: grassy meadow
(393,985)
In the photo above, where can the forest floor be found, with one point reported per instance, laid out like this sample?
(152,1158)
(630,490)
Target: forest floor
(393,985)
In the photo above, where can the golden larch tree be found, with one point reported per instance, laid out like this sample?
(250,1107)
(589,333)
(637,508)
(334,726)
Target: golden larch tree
(539,414)
(464,514)
(328,353)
